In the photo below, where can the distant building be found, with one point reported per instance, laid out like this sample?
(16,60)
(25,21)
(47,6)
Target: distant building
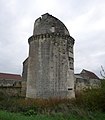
(86,79)
(10,84)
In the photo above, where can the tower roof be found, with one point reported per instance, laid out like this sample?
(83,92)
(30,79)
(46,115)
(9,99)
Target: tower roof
(49,24)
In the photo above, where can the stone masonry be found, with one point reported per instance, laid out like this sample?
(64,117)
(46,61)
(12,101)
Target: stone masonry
(50,72)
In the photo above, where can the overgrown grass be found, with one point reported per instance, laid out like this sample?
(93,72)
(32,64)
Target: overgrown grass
(59,116)
(84,107)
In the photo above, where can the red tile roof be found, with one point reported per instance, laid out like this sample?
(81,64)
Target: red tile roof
(10,76)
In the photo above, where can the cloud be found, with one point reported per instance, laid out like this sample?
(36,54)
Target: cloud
(84,19)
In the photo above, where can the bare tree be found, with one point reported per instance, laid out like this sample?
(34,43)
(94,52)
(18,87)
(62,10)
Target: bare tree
(102,72)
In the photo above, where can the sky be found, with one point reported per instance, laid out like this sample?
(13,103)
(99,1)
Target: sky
(85,20)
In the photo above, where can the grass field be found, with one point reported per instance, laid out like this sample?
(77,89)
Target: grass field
(17,116)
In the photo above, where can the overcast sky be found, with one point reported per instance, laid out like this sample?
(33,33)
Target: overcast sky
(85,20)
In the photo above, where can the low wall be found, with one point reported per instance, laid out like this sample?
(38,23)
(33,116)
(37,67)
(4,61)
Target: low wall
(11,91)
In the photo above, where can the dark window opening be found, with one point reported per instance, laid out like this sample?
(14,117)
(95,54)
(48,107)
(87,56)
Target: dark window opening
(69,88)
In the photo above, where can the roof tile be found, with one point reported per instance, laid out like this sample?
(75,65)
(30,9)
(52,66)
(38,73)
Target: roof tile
(10,76)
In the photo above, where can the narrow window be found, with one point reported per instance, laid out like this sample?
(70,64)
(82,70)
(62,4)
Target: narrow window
(70,89)
(52,29)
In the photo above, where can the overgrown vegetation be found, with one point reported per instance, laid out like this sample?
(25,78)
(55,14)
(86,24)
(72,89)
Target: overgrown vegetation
(93,99)
(59,116)
(89,104)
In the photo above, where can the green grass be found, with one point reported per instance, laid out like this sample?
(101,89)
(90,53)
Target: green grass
(59,116)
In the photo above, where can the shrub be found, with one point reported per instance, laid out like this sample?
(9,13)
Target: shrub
(92,99)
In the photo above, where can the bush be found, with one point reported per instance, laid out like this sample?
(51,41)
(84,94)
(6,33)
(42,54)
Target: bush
(92,99)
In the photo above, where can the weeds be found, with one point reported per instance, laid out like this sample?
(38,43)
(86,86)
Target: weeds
(88,100)
(92,99)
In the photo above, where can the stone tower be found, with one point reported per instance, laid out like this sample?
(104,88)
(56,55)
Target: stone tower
(50,72)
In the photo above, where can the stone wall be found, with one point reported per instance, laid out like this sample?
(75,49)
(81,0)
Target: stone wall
(10,91)
(50,71)
(10,87)
(82,84)
(24,78)
(49,24)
